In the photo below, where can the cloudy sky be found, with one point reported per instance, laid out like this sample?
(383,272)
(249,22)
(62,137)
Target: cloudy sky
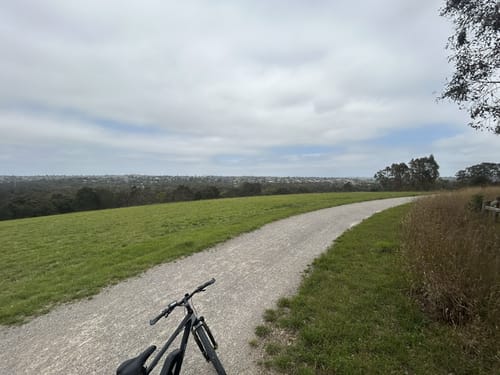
(228,87)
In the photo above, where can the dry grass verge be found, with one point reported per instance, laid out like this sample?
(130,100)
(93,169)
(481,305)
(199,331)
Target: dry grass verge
(453,255)
(452,251)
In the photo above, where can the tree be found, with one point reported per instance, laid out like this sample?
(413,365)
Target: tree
(62,203)
(424,172)
(480,174)
(401,176)
(395,177)
(28,205)
(250,189)
(182,193)
(384,177)
(207,192)
(86,199)
(106,198)
(348,186)
(475,47)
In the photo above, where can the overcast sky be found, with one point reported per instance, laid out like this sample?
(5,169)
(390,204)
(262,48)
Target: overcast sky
(275,87)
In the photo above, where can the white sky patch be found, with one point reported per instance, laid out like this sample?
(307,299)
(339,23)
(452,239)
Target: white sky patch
(468,148)
(205,81)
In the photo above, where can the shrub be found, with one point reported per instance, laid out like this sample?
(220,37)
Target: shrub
(453,256)
(476,202)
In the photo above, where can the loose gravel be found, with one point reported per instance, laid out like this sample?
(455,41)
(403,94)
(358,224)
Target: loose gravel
(252,271)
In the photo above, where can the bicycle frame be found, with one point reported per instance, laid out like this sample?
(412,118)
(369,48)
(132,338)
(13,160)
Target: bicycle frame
(189,321)
(191,324)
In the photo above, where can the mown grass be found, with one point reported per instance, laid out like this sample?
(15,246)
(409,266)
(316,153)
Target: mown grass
(49,260)
(353,315)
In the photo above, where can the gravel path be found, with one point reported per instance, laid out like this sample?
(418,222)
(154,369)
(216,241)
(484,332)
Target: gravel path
(252,271)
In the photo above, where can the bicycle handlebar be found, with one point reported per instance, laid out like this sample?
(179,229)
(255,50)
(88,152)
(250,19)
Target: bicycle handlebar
(202,287)
(166,312)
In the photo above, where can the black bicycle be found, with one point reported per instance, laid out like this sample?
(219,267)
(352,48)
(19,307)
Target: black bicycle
(191,324)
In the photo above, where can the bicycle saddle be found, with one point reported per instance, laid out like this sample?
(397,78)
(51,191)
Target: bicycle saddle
(135,366)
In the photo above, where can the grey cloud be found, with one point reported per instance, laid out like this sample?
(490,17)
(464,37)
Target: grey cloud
(225,77)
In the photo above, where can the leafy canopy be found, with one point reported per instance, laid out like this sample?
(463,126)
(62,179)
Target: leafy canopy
(480,174)
(475,47)
(421,173)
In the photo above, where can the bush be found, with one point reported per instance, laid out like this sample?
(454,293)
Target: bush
(476,202)
(453,255)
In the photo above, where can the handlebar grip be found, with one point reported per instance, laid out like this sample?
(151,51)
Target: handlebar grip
(164,313)
(152,322)
(203,286)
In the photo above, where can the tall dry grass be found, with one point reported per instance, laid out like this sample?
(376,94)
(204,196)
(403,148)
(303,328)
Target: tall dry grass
(452,251)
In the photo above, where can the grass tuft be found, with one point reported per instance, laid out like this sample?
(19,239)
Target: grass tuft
(270,315)
(262,331)
(272,349)
(284,302)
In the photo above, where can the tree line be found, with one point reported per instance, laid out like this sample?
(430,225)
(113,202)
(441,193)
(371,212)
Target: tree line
(70,194)
(14,205)
(41,198)
(479,174)
(423,174)
(419,174)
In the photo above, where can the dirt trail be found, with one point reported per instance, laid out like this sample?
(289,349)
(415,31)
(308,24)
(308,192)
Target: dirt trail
(253,271)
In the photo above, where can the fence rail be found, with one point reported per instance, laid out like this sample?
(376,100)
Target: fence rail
(495,211)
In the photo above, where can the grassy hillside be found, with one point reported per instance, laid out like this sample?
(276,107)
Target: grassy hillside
(48,260)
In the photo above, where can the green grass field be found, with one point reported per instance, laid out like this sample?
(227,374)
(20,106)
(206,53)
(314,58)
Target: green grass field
(54,259)
(353,315)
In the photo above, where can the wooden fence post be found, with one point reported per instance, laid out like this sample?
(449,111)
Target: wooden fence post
(492,207)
